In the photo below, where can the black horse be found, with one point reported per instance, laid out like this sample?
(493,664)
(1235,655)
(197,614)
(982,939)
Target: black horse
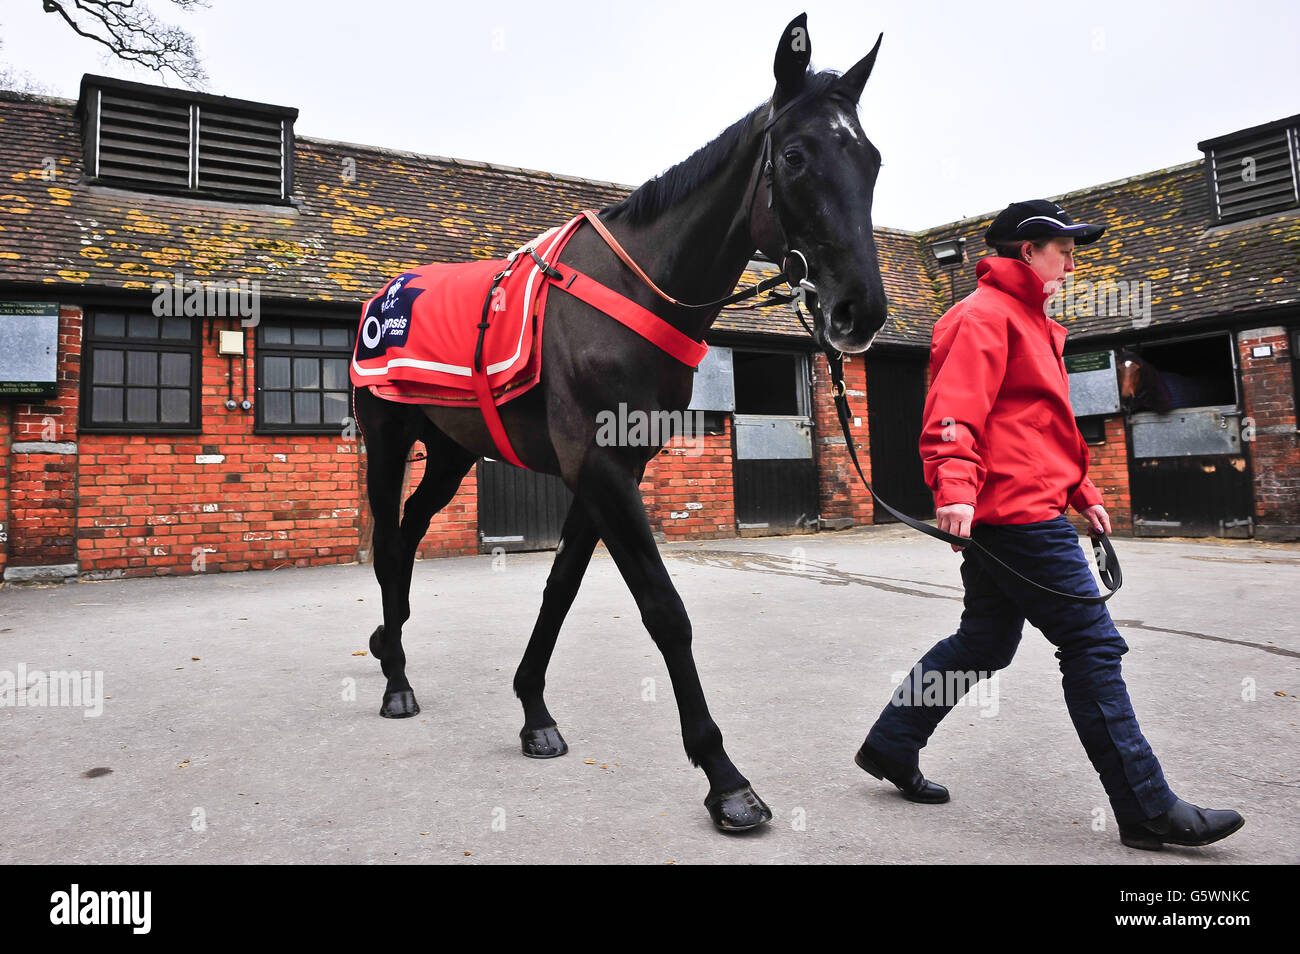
(693,230)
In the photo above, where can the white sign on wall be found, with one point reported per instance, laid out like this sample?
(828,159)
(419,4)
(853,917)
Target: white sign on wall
(29,348)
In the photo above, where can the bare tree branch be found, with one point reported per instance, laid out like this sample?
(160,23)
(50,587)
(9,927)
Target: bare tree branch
(132,33)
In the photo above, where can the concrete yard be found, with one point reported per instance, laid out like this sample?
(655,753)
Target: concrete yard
(240,722)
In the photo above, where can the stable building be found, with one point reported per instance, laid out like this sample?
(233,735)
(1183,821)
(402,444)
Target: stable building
(181,277)
(1198,275)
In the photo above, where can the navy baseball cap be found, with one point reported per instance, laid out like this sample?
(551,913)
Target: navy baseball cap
(1039,219)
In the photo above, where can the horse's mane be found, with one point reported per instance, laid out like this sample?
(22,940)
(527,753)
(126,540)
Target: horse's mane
(665,190)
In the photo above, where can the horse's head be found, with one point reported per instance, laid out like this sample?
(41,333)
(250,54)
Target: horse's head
(1128,372)
(820,170)
(1141,387)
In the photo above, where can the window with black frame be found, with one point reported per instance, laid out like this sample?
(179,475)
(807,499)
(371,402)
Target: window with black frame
(302,376)
(140,372)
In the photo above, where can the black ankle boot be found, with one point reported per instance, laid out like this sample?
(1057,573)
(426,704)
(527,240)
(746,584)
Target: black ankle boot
(1183,824)
(908,779)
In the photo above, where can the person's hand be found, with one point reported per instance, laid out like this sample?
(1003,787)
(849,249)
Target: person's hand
(1098,518)
(956,519)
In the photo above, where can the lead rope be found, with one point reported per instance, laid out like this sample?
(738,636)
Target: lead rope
(1107,562)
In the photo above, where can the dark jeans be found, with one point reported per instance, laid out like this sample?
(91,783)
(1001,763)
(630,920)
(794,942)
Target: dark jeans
(1088,648)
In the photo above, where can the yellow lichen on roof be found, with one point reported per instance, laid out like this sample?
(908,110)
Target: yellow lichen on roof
(140,221)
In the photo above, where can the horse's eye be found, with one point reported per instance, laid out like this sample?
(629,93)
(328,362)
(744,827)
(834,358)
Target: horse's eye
(793,158)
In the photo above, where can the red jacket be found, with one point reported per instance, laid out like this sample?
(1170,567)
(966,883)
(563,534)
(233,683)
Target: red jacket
(998,431)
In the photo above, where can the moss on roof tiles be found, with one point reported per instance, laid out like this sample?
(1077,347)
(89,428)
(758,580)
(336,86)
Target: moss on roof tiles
(365,213)
(1160,230)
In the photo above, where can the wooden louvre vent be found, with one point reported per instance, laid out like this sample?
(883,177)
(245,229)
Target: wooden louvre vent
(162,140)
(143,142)
(240,154)
(1255,172)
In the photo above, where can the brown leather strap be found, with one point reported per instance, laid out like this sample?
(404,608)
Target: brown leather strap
(750,292)
(621,252)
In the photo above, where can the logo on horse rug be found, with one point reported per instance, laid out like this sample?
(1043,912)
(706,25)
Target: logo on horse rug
(385,326)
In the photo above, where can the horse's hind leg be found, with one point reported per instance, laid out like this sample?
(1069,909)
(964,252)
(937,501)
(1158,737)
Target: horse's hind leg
(539,737)
(444,469)
(389,435)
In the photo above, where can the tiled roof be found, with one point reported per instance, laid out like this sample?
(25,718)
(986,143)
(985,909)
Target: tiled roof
(1160,229)
(915,302)
(365,213)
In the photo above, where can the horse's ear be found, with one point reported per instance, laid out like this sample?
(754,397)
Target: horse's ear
(855,79)
(793,54)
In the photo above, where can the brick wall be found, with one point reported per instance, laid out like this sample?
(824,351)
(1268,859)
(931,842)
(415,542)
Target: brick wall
(687,489)
(691,491)
(222,500)
(454,530)
(1108,469)
(6,436)
(840,490)
(229,499)
(1274,450)
(42,464)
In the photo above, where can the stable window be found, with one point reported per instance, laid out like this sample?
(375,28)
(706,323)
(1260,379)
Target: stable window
(302,377)
(1093,428)
(1197,371)
(140,372)
(771,382)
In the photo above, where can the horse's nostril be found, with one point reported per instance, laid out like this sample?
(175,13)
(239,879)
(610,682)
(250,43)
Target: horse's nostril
(842,318)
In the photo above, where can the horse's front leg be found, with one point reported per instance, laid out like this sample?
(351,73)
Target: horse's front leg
(540,737)
(608,489)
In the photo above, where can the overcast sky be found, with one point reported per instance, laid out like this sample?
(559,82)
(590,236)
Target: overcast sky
(973,105)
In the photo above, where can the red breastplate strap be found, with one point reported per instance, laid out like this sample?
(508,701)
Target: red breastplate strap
(631,315)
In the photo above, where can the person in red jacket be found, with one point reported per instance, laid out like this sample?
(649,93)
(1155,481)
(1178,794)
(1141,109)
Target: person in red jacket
(1004,457)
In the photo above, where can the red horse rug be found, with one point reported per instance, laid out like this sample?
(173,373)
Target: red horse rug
(471,333)
(419,335)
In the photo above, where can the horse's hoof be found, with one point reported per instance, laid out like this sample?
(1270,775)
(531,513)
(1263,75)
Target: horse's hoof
(740,810)
(399,705)
(376,640)
(543,743)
